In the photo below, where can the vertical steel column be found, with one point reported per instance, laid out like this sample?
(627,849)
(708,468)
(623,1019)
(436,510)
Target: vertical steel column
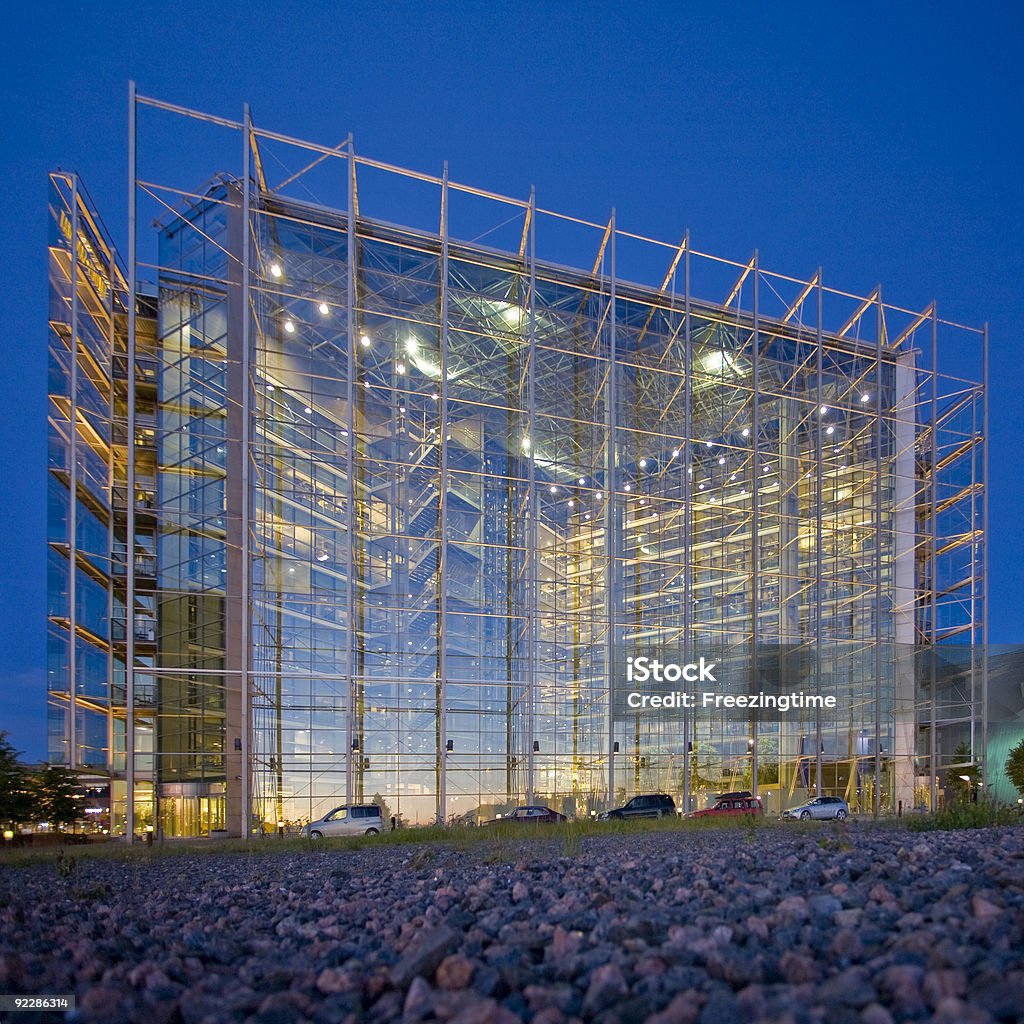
(610,486)
(933,481)
(688,518)
(111,485)
(350,518)
(442,637)
(755,541)
(533,510)
(129,575)
(879,332)
(974,579)
(984,560)
(73,491)
(246,526)
(818,531)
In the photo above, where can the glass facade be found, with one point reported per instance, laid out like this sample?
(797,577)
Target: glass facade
(403,501)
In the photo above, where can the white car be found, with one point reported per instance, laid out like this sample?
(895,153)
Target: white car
(348,820)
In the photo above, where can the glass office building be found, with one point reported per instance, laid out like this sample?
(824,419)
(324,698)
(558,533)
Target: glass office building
(363,482)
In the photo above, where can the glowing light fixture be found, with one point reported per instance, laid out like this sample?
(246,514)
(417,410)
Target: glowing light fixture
(324,309)
(289,326)
(365,339)
(275,269)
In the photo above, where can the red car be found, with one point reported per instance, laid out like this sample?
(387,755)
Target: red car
(534,815)
(729,805)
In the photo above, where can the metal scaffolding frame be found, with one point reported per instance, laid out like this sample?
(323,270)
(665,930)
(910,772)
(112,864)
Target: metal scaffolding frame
(690,490)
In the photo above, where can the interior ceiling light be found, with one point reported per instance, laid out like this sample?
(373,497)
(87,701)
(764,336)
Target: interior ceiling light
(823,410)
(365,339)
(400,368)
(411,345)
(710,444)
(831,430)
(289,326)
(865,398)
(721,460)
(643,463)
(554,490)
(675,452)
(746,431)
(308,410)
(275,269)
(324,308)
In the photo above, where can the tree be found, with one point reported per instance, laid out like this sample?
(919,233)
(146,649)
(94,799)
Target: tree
(385,811)
(15,803)
(962,782)
(1014,767)
(53,796)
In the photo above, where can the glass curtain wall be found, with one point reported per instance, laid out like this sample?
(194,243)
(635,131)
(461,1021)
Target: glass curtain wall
(402,501)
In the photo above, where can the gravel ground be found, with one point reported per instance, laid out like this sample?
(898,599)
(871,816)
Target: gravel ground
(857,925)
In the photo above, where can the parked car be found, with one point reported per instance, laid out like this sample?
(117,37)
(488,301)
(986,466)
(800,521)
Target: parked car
(348,820)
(651,805)
(820,807)
(532,815)
(729,805)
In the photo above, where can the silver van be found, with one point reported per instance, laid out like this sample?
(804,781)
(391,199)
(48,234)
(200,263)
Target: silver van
(348,820)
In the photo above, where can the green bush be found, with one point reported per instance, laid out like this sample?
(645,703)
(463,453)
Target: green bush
(961,816)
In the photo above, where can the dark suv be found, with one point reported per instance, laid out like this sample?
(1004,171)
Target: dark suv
(655,805)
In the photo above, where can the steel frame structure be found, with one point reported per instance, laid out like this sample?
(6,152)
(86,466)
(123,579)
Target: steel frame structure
(531,469)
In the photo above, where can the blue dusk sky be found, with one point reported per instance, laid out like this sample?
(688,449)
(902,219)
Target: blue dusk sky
(880,141)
